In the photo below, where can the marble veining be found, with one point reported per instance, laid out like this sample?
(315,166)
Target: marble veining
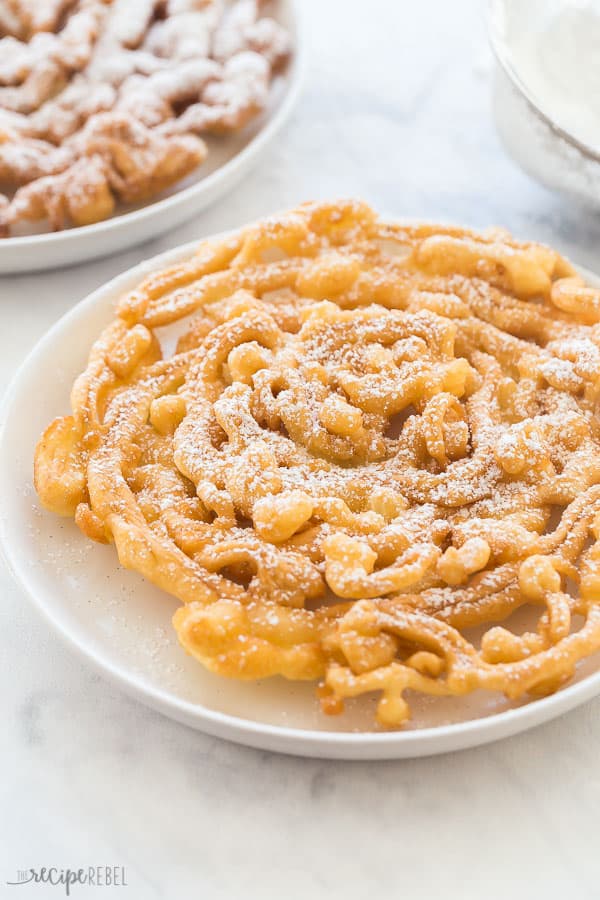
(396,109)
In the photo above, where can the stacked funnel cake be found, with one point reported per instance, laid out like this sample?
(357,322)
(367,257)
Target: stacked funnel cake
(369,439)
(106,100)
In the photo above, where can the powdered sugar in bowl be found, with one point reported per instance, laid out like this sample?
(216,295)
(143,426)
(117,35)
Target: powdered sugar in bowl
(547,89)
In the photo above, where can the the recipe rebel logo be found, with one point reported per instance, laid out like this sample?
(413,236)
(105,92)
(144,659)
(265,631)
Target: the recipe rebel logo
(92,876)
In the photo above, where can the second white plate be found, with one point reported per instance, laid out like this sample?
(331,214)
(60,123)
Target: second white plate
(122,624)
(230,159)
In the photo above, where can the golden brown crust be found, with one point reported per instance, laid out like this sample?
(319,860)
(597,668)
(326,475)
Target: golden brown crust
(369,438)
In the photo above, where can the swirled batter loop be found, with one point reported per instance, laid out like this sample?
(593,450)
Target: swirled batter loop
(369,439)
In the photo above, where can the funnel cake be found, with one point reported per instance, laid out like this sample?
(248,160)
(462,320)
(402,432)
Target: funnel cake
(370,446)
(100,95)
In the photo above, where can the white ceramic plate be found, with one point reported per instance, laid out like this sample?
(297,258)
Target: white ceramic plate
(121,624)
(229,160)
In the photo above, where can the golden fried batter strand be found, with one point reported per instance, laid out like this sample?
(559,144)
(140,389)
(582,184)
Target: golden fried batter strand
(113,157)
(368,439)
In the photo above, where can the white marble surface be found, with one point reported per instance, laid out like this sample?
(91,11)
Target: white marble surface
(396,110)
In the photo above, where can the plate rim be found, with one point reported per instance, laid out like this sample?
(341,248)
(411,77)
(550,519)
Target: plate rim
(349,745)
(295,77)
